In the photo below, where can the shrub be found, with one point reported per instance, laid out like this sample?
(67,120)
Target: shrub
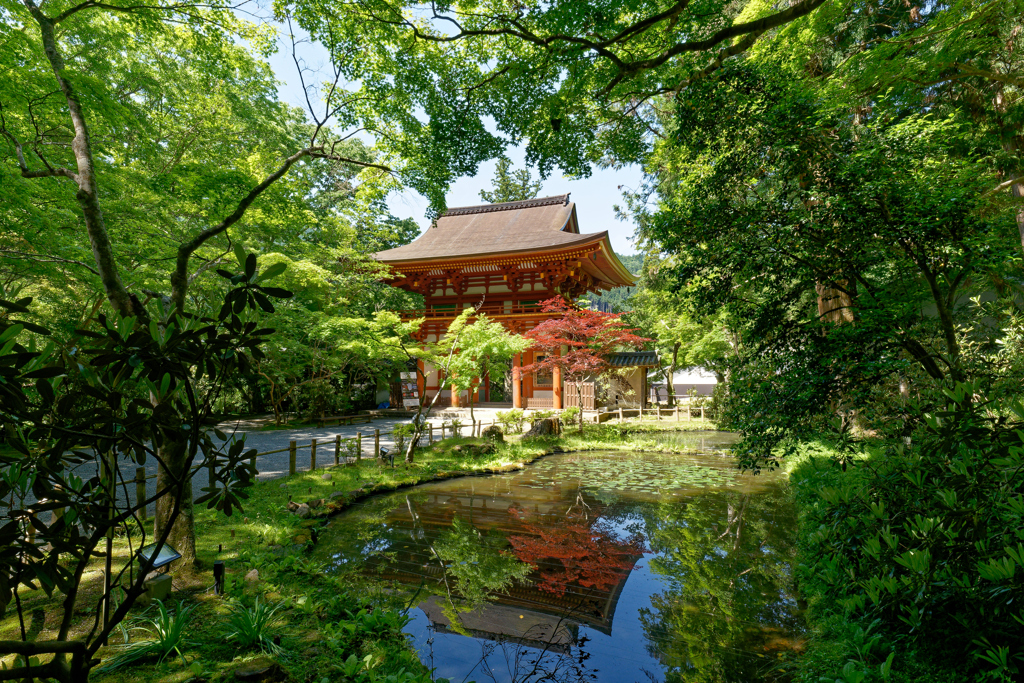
(400,432)
(456,425)
(167,631)
(928,538)
(512,419)
(571,415)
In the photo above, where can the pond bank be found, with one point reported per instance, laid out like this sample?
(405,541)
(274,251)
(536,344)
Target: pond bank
(268,538)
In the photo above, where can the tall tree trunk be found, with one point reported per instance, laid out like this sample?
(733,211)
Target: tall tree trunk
(87,195)
(1013,144)
(670,375)
(182,536)
(834,305)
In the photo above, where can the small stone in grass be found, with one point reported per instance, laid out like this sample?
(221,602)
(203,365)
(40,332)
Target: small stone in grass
(326,476)
(284,486)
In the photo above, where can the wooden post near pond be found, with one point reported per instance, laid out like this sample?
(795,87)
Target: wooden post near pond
(312,455)
(376,444)
(337,450)
(430,433)
(291,457)
(359,446)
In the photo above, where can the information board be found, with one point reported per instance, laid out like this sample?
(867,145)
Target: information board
(410,390)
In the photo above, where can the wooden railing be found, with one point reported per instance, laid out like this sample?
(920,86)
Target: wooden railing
(321,452)
(493,309)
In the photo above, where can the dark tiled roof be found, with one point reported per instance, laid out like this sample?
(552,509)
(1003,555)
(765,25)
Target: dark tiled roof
(533,224)
(561,199)
(634,359)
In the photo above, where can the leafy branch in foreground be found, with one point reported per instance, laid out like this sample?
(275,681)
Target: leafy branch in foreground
(75,419)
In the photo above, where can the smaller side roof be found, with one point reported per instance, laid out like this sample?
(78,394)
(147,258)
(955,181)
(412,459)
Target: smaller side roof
(634,359)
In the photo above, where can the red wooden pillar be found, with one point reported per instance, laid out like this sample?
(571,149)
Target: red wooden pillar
(556,385)
(455,396)
(529,358)
(517,390)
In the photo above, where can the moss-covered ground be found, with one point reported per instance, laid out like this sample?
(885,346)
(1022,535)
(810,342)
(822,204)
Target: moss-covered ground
(325,620)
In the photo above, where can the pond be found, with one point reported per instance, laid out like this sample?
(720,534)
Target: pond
(602,566)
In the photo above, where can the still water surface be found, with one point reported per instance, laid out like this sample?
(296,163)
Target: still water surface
(603,566)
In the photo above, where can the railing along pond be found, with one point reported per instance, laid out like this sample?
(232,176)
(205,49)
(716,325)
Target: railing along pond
(353,446)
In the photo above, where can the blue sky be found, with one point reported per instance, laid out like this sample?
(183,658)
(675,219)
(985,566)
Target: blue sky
(595,196)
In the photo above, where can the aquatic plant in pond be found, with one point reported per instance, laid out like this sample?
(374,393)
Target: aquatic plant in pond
(632,474)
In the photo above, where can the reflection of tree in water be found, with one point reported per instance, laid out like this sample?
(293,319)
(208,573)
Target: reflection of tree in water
(728,610)
(579,548)
(474,566)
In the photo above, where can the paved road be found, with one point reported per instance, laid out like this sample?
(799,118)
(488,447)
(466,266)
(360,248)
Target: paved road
(276,464)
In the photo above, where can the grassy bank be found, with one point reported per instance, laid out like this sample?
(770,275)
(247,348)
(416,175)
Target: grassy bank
(329,626)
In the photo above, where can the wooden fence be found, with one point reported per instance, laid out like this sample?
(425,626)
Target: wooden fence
(349,451)
(571,397)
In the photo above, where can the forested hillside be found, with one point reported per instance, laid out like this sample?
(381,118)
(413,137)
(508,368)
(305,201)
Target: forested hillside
(617,299)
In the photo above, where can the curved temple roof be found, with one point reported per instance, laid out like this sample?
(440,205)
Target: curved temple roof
(532,226)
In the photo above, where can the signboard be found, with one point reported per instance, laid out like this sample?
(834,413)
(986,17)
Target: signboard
(410,390)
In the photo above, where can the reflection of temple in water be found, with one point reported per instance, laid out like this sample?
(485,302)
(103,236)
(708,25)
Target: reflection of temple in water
(529,612)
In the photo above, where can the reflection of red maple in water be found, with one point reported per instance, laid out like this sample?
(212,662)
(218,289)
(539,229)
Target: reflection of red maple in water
(575,550)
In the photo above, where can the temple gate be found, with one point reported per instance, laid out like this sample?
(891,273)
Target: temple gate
(504,259)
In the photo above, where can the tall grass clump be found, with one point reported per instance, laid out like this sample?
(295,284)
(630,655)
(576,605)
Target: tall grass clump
(166,631)
(255,628)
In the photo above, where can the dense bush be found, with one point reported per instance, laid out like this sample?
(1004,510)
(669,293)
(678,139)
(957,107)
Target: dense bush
(922,540)
(512,419)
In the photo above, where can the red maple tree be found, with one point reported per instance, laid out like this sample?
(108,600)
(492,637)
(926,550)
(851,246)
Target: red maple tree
(590,337)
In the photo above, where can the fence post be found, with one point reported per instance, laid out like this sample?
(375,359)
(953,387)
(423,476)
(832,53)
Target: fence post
(376,443)
(140,489)
(291,457)
(359,446)
(337,450)
(677,412)
(430,433)
(689,413)
(641,415)
(312,455)
(57,512)
(620,414)
(252,464)
(442,431)
(210,476)
(702,412)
